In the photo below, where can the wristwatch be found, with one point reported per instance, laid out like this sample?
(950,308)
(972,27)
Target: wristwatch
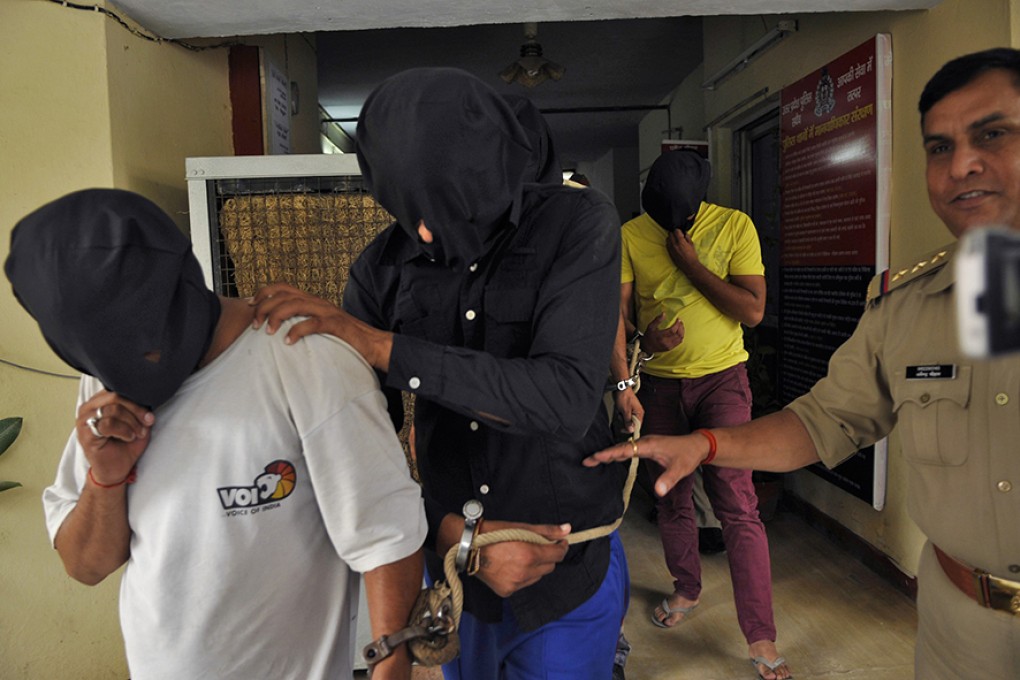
(472,512)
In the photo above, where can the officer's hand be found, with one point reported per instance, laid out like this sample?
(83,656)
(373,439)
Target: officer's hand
(511,565)
(657,339)
(123,434)
(680,456)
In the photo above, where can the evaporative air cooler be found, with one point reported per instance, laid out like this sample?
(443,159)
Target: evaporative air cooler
(299,219)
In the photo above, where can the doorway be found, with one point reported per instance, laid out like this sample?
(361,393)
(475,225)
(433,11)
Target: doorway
(756,160)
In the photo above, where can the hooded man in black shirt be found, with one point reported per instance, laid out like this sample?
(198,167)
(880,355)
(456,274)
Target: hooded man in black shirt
(543,165)
(494,299)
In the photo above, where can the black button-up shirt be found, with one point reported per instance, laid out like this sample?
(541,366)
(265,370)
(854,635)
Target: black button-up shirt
(508,361)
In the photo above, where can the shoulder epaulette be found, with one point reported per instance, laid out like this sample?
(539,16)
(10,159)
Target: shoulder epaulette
(890,280)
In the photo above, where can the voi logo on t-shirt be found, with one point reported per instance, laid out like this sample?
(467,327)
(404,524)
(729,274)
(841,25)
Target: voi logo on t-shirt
(275,483)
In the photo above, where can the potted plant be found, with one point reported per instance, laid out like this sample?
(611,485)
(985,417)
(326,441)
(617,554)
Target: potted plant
(10,428)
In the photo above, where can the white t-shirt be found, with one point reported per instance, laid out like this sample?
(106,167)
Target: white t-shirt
(272,474)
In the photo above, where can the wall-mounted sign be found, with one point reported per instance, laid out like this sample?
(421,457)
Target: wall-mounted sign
(277,98)
(835,166)
(696,145)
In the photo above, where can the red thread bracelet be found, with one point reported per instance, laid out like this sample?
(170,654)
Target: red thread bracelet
(130,479)
(711,445)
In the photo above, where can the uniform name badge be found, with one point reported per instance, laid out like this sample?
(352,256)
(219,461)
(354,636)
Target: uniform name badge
(932,372)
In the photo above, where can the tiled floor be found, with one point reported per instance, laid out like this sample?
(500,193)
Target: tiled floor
(836,619)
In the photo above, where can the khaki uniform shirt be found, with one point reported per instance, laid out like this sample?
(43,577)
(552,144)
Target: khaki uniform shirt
(958,418)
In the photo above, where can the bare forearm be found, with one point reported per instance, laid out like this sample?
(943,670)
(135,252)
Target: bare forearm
(732,300)
(373,344)
(450,530)
(391,591)
(618,366)
(95,538)
(778,442)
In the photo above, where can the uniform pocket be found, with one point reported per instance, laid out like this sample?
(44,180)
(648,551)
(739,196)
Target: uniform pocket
(932,418)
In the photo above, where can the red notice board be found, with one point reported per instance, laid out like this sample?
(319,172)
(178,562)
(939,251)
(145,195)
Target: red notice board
(835,167)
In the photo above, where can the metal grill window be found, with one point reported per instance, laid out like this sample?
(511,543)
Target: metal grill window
(305,231)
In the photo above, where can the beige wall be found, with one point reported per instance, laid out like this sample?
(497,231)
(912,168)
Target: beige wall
(166,104)
(921,42)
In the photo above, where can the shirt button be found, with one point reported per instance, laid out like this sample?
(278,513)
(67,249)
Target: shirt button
(473,425)
(484,488)
(925,398)
(473,267)
(1004,486)
(470,315)
(414,383)
(1001,399)
(1014,568)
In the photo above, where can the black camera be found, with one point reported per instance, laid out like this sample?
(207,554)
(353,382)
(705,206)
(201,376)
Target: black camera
(988,292)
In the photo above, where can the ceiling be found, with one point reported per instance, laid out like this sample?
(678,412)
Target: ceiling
(618,54)
(599,72)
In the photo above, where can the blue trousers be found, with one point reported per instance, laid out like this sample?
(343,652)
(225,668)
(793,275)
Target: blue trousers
(578,646)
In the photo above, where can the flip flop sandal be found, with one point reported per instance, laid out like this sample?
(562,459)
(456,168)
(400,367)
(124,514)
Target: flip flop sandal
(670,611)
(771,665)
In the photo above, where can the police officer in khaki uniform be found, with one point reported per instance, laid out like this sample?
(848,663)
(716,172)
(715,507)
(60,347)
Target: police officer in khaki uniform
(958,419)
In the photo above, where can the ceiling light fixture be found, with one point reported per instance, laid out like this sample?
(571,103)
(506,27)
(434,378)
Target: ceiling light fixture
(780,31)
(532,68)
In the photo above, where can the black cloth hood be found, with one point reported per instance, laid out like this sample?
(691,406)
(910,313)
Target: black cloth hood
(439,145)
(543,165)
(109,277)
(677,184)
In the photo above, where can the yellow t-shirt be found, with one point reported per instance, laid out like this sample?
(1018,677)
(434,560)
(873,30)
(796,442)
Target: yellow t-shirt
(727,244)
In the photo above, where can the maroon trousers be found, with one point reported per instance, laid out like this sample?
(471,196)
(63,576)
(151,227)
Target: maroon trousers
(679,406)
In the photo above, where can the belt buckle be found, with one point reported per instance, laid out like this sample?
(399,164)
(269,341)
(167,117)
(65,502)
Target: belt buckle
(997,593)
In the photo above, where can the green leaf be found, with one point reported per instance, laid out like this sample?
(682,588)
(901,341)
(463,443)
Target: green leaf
(10,428)
(4,486)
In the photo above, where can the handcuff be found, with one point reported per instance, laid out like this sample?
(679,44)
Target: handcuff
(624,384)
(631,382)
(472,512)
(431,634)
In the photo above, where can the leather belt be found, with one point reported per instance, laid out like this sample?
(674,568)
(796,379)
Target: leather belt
(980,586)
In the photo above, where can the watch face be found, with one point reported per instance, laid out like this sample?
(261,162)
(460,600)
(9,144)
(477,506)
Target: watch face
(472,509)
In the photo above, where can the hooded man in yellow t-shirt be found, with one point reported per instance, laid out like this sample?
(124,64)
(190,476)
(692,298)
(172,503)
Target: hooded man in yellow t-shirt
(691,275)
